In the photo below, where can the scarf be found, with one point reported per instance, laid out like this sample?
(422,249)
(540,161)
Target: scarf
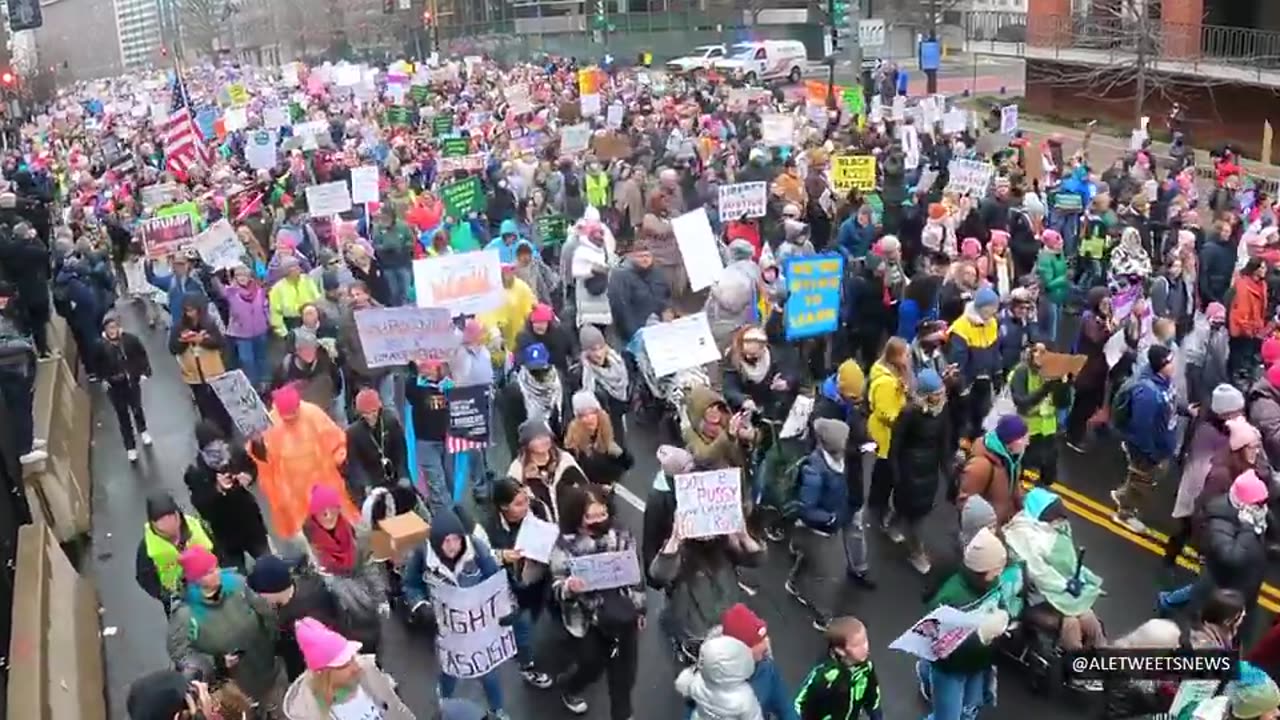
(756,372)
(541,399)
(216,455)
(335,549)
(610,377)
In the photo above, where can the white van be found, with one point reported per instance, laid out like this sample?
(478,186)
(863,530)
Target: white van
(765,60)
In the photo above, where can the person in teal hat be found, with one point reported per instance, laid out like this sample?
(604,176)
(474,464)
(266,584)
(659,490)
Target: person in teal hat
(1062,592)
(506,242)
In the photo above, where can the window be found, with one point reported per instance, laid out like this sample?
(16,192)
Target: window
(760,54)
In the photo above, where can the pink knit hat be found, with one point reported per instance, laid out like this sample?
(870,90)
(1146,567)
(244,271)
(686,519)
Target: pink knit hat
(324,498)
(1052,239)
(1273,375)
(472,331)
(197,562)
(1248,489)
(542,313)
(1241,434)
(1270,351)
(970,248)
(321,647)
(1216,311)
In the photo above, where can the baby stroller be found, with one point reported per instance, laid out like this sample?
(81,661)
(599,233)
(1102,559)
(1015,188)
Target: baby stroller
(661,399)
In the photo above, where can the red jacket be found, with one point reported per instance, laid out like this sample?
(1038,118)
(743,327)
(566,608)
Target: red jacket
(1247,316)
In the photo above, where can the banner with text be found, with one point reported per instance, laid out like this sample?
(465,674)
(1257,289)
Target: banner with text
(471,640)
(813,295)
(394,336)
(465,283)
(742,200)
(709,503)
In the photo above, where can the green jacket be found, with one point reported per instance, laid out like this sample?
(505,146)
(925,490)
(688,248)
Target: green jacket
(1052,269)
(835,690)
(203,631)
(973,655)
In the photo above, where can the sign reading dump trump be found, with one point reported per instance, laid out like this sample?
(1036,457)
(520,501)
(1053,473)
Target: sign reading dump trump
(465,283)
(472,641)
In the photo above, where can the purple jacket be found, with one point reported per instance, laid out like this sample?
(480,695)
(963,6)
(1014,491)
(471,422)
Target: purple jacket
(248,315)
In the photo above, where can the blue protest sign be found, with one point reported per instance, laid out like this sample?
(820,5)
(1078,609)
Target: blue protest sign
(813,295)
(930,55)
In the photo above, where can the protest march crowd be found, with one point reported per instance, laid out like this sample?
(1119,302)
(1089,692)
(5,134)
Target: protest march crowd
(839,314)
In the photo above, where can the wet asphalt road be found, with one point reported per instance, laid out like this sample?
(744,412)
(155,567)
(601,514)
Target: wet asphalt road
(137,644)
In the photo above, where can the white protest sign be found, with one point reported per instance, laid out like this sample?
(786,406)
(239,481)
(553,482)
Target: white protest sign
(698,246)
(969,176)
(938,634)
(778,130)
(276,116)
(364,184)
(743,200)
(260,150)
(289,74)
(575,138)
(1136,139)
(236,118)
(518,98)
(680,344)
(329,198)
(154,196)
(1008,119)
(159,113)
(798,418)
(241,401)
(954,122)
(614,117)
(898,111)
(464,283)
(219,247)
(709,503)
(590,105)
(471,640)
(396,93)
(536,538)
(392,336)
(606,570)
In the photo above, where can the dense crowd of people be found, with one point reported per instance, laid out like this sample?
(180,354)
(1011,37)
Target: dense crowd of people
(996,305)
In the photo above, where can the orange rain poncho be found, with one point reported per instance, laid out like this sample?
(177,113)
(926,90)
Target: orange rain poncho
(300,453)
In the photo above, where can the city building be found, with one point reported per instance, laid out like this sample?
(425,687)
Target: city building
(80,39)
(138,25)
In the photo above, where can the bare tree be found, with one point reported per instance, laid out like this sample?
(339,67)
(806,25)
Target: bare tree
(924,16)
(1130,42)
(202,22)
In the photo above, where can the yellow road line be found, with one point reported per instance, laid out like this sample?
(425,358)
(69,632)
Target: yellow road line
(1100,515)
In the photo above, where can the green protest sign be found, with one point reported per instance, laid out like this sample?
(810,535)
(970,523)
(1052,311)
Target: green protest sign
(296,113)
(553,229)
(187,208)
(462,198)
(399,116)
(455,147)
(855,101)
(877,206)
(441,125)
(419,93)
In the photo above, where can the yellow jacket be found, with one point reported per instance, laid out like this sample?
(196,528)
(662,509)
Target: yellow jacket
(888,395)
(287,298)
(511,316)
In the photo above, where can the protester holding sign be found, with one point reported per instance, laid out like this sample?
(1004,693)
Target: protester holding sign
(700,578)
(602,626)
(453,557)
(198,343)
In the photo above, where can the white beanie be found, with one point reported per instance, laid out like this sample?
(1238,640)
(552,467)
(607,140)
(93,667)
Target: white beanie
(585,402)
(1226,399)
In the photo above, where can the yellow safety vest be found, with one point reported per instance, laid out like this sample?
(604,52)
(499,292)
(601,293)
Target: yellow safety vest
(164,554)
(1042,420)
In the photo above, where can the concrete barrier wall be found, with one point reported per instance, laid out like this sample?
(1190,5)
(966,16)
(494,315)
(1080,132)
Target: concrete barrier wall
(59,488)
(56,667)
(55,652)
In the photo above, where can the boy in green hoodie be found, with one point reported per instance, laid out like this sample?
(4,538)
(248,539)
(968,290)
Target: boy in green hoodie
(843,685)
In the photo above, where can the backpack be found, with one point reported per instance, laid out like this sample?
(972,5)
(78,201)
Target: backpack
(1122,405)
(787,489)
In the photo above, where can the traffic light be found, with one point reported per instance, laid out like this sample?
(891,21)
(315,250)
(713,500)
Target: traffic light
(840,31)
(388,7)
(598,20)
(7,78)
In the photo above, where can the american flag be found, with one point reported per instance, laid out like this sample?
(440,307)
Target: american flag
(454,445)
(183,146)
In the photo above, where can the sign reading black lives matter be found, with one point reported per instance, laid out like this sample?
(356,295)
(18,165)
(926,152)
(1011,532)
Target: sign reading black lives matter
(473,641)
(469,413)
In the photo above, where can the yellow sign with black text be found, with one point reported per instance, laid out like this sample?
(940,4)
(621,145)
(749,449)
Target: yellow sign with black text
(854,172)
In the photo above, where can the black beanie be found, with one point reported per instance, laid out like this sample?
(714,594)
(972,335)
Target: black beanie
(270,575)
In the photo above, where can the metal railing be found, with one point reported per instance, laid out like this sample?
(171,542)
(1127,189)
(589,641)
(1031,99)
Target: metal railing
(1176,41)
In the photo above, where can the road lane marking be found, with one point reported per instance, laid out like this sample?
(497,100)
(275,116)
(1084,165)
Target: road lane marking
(1100,515)
(628,497)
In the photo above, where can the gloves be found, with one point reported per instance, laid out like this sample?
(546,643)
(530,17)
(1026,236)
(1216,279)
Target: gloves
(992,626)
(423,615)
(1255,517)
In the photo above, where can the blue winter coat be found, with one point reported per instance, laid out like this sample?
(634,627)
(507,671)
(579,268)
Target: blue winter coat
(1150,430)
(824,494)
(855,240)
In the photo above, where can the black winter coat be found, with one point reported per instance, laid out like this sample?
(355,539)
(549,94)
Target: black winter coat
(604,469)
(368,445)
(918,455)
(1235,556)
(311,598)
(122,361)
(634,295)
(233,517)
(558,339)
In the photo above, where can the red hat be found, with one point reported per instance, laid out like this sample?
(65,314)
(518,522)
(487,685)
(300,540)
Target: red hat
(324,498)
(196,562)
(1270,351)
(367,401)
(542,313)
(743,625)
(286,399)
